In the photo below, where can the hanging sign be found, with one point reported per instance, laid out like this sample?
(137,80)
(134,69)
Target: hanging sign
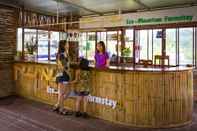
(178,15)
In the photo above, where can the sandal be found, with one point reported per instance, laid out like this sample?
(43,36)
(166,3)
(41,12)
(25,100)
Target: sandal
(85,115)
(55,108)
(78,114)
(64,112)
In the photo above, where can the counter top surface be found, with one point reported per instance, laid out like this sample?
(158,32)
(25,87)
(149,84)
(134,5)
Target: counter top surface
(121,68)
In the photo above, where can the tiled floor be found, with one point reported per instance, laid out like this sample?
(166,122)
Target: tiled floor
(18,114)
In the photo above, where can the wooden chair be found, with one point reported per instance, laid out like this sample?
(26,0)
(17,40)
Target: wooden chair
(161,60)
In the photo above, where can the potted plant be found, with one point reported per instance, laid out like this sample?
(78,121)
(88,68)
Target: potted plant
(31,47)
(126,51)
(18,55)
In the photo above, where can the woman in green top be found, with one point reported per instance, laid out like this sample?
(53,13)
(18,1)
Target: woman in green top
(82,77)
(63,78)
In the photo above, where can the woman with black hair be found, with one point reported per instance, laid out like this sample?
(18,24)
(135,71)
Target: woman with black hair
(101,56)
(63,77)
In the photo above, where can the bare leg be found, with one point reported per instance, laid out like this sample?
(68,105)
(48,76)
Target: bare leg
(66,91)
(85,102)
(79,98)
(61,96)
(58,99)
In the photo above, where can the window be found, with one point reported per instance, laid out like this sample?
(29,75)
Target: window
(90,45)
(54,40)
(62,36)
(143,42)
(101,36)
(157,42)
(82,45)
(19,40)
(112,42)
(37,43)
(129,40)
(30,46)
(87,45)
(185,46)
(43,42)
(171,45)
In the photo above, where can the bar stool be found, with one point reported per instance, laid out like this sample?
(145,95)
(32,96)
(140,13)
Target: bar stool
(161,60)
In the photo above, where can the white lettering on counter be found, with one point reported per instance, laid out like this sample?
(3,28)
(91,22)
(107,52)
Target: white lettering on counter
(51,90)
(94,99)
(103,101)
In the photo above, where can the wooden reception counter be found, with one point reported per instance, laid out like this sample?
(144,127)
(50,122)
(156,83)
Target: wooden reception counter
(142,97)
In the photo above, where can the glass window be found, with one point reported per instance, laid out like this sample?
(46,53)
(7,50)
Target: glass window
(101,36)
(157,42)
(54,40)
(185,46)
(82,45)
(112,42)
(171,45)
(129,40)
(62,36)
(143,41)
(43,42)
(150,44)
(118,47)
(30,46)
(19,40)
(90,45)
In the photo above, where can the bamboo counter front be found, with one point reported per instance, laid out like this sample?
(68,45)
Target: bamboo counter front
(141,97)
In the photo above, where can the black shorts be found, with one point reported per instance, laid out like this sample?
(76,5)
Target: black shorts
(63,78)
(83,93)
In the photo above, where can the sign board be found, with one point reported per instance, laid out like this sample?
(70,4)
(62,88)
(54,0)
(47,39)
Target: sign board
(187,14)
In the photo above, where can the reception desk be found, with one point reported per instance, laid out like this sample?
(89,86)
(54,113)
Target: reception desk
(140,97)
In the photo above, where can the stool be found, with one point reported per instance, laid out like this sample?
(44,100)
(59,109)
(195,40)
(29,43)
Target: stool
(161,60)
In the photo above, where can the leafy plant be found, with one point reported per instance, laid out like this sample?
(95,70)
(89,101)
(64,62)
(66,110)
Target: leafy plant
(31,46)
(126,51)
(19,53)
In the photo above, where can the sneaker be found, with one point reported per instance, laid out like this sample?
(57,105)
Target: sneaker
(55,109)
(85,115)
(78,114)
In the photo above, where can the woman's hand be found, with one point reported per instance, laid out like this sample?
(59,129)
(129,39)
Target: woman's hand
(73,82)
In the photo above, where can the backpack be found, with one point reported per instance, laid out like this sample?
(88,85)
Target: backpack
(84,64)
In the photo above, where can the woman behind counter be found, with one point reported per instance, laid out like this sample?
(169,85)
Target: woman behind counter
(101,56)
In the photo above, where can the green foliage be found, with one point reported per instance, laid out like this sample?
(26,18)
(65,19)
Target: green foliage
(31,46)
(126,51)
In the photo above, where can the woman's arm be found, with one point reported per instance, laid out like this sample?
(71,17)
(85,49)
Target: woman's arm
(107,60)
(107,63)
(59,63)
(76,77)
